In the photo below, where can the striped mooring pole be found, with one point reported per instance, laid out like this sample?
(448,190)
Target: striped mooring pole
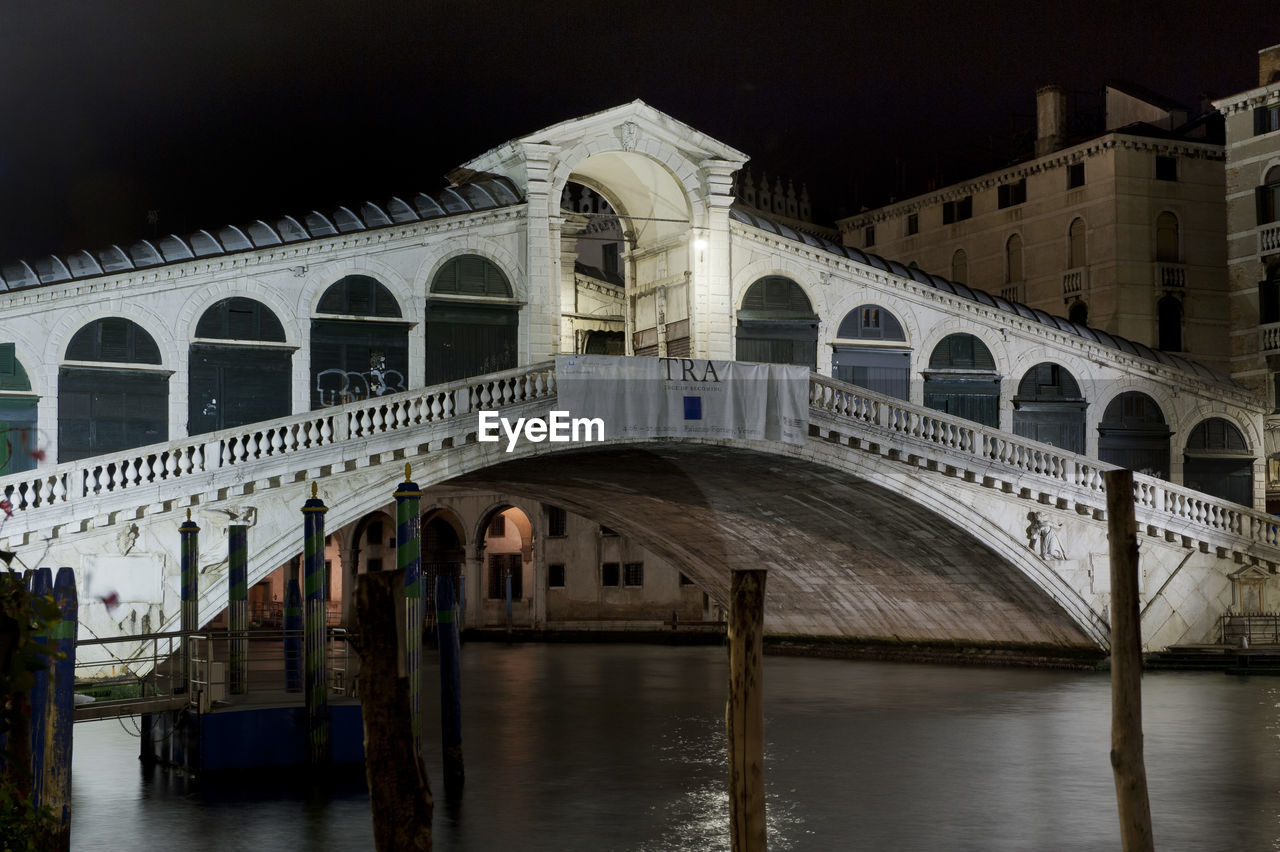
(189,534)
(53,708)
(292,630)
(314,632)
(409,560)
(238,606)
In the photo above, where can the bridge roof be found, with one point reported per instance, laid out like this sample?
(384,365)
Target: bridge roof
(477,192)
(893,267)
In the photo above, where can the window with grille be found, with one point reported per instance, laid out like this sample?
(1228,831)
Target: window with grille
(501,567)
(1075,175)
(498,526)
(557,522)
(913,224)
(633,574)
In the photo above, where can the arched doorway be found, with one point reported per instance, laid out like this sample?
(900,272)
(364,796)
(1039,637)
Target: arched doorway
(1050,408)
(1217,461)
(113,395)
(777,325)
(19,441)
(472,320)
(871,351)
(240,370)
(359,344)
(1133,434)
(962,380)
(507,564)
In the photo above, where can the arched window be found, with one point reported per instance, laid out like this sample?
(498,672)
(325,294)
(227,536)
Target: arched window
(239,370)
(359,345)
(1167,242)
(1013,259)
(1078,313)
(1133,434)
(111,400)
(19,441)
(960,267)
(1169,320)
(1077,254)
(1050,408)
(777,325)
(472,323)
(1267,197)
(962,380)
(871,352)
(1218,461)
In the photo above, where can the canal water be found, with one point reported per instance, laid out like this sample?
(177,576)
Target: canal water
(621,747)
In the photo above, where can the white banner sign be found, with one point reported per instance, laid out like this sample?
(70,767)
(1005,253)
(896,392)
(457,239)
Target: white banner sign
(686,397)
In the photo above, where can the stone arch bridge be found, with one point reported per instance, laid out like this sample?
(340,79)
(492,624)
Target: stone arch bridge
(891,521)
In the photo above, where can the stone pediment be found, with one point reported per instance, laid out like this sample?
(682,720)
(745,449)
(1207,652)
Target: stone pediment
(1250,572)
(622,129)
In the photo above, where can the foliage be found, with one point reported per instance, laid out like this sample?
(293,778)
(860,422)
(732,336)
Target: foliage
(23,617)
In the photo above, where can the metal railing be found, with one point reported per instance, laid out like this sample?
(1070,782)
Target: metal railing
(1256,629)
(147,673)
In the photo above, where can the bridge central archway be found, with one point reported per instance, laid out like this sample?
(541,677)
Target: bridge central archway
(846,557)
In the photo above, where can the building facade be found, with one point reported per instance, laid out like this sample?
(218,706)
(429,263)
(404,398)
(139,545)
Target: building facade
(1122,231)
(1253,246)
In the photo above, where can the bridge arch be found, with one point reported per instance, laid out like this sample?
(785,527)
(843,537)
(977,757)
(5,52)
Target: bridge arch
(871,349)
(1049,407)
(240,368)
(1134,433)
(472,320)
(963,376)
(1219,461)
(777,323)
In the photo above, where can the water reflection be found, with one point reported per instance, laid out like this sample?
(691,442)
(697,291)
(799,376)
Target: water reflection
(573,747)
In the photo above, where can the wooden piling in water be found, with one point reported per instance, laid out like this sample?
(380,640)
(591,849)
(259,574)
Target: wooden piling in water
(399,793)
(238,606)
(316,651)
(409,560)
(744,712)
(1126,667)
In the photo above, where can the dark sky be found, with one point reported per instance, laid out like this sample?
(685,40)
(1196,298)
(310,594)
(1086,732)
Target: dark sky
(213,113)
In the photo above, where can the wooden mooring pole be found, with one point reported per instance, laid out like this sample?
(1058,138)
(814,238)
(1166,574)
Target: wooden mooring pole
(51,734)
(238,606)
(189,592)
(450,682)
(1126,667)
(399,792)
(744,713)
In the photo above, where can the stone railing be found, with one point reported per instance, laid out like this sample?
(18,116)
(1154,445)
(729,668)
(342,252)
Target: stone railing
(1171,276)
(979,454)
(1075,282)
(1269,338)
(118,480)
(1269,238)
(149,466)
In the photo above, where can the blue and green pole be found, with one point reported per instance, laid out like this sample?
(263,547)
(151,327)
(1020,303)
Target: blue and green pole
(238,605)
(409,560)
(292,630)
(317,668)
(189,535)
(51,735)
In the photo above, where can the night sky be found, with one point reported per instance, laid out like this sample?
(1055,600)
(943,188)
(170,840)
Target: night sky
(217,113)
